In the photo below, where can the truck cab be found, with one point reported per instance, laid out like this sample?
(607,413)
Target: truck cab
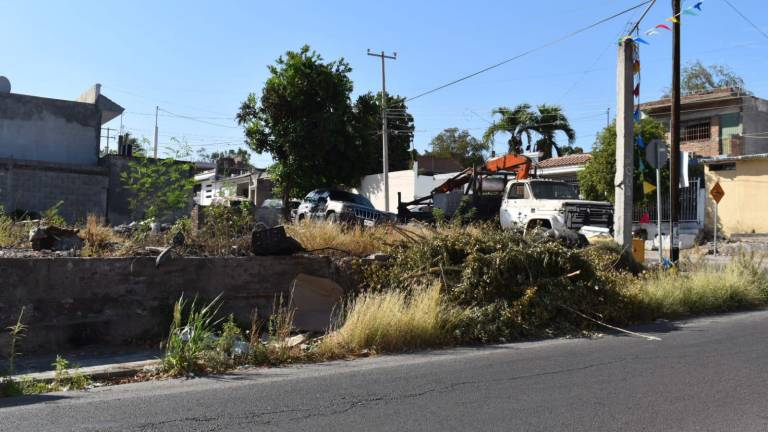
(554,206)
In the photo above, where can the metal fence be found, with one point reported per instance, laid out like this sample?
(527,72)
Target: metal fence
(689,202)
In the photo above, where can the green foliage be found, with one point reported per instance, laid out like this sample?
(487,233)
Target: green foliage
(17,332)
(65,380)
(303,119)
(230,333)
(158,187)
(12,234)
(190,336)
(461,146)
(51,216)
(367,127)
(596,180)
(226,227)
(697,78)
(521,121)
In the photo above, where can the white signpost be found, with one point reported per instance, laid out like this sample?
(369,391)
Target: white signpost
(717,193)
(656,154)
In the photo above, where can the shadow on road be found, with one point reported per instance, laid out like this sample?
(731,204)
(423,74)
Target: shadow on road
(28,400)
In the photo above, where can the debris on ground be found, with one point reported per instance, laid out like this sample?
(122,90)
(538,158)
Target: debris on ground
(55,238)
(314,299)
(273,241)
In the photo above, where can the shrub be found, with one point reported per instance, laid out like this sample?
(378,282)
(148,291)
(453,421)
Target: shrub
(190,336)
(99,239)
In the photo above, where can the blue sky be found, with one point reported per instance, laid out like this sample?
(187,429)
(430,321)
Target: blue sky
(200,59)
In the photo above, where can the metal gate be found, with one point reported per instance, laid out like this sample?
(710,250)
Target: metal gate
(689,202)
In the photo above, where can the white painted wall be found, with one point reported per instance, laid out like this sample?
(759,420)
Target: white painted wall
(410,186)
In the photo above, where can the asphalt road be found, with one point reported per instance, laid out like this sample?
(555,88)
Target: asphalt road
(707,374)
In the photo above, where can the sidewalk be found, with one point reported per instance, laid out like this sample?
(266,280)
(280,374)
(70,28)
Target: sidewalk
(97,363)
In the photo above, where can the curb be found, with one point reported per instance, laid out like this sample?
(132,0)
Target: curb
(101,372)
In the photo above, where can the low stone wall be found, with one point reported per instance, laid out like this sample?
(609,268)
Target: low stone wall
(74,302)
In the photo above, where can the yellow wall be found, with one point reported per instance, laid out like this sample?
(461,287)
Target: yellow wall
(744,208)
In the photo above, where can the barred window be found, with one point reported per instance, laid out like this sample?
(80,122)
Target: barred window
(698,131)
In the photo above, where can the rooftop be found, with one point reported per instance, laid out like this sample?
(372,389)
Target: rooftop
(565,161)
(725,96)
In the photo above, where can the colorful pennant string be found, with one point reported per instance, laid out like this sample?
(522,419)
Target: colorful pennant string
(673,19)
(648,187)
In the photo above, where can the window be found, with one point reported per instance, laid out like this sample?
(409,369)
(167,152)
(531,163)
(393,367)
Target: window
(698,131)
(516,191)
(553,190)
(351,198)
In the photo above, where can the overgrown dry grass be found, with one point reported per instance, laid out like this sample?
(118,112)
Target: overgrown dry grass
(12,233)
(741,284)
(99,238)
(392,321)
(355,240)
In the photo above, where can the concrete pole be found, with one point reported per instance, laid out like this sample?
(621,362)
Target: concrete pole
(674,134)
(384,133)
(157,108)
(624,183)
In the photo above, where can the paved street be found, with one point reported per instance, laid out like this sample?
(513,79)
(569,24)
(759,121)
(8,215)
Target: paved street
(707,374)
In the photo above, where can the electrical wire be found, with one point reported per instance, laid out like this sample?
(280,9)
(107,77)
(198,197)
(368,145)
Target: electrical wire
(530,51)
(749,21)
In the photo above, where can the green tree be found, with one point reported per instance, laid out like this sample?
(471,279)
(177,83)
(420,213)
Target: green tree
(459,145)
(367,126)
(304,119)
(522,122)
(158,187)
(697,78)
(212,157)
(597,178)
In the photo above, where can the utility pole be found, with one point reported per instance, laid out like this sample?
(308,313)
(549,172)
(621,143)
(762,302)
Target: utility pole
(674,134)
(157,108)
(624,182)
(384,132)
(608,117)
(106,152)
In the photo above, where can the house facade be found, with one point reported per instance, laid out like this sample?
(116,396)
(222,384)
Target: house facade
(724,122)
(49,153)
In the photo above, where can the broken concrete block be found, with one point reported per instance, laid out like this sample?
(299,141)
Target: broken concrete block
(314,300)
(55,238)
(273,241)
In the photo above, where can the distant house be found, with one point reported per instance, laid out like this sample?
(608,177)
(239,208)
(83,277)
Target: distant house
(564,168)
(724,122)
(49,152)
(214,186)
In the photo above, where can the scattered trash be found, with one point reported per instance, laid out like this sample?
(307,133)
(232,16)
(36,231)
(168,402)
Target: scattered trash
(55,239)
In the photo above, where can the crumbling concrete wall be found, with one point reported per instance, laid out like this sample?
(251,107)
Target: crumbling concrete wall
(74,302)
(35,186)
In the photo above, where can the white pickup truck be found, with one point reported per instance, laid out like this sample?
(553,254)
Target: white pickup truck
(554,206)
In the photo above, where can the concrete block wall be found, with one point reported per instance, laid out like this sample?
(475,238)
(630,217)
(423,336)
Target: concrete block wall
(37,186)
(75,302)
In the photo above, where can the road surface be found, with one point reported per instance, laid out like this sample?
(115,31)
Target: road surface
(707,374)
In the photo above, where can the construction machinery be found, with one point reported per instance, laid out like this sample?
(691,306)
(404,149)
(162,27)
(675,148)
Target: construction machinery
(480,188)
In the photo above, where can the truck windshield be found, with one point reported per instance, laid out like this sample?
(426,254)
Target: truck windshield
(351,198)
(553,190)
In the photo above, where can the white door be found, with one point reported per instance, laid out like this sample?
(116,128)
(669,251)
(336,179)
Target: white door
(512,208)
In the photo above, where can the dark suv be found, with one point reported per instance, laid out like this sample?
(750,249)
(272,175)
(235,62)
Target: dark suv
(340,206)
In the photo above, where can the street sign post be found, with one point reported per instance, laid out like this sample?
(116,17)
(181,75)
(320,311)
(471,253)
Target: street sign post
(717,193)
(656,154)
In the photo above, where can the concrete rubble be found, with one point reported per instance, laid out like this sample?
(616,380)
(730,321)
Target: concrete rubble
(54,238)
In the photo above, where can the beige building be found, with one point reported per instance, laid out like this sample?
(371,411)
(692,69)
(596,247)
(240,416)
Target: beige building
(744,208)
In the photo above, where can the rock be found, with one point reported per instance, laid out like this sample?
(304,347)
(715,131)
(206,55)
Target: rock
(378,257)
(273,241)
(296,340)
(54,238)
(314,299)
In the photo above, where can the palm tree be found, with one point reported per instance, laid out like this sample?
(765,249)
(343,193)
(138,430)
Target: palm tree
(517,122)
(548,121)
(521,121)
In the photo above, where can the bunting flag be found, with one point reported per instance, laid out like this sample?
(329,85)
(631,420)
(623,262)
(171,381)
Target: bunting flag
(688,11)
(640,142)
(636,91)
(698,6)
(642,166)
(643,41)
(648,187)
(663,26)
(636,66)
(637,115)
(672,19)
(651,32)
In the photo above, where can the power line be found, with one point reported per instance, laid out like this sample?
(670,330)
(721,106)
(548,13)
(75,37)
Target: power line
(746,19)
(530,51)
(198,120)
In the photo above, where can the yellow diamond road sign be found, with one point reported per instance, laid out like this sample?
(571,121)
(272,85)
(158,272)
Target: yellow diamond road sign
(717,192)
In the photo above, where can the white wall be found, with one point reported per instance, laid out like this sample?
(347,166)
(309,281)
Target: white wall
(406,182)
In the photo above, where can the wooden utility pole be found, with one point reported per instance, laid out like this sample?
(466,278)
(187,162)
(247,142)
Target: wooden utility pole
(625,168)
(674,135)
(157,109)
(384,131)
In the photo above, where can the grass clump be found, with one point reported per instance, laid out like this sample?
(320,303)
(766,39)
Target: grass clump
(191,337)
(12,234)
(741,284)
(354,239)
(99,239)
(391,321)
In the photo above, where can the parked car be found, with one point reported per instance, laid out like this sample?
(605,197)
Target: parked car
(339,206)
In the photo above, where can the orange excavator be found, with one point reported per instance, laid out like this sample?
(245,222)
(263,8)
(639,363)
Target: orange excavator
(484,185)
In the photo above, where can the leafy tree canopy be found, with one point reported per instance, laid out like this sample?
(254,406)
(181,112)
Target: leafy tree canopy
(459,145)
(240,153)
(596,179)
(367,125)
(305,120)
(697,78)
